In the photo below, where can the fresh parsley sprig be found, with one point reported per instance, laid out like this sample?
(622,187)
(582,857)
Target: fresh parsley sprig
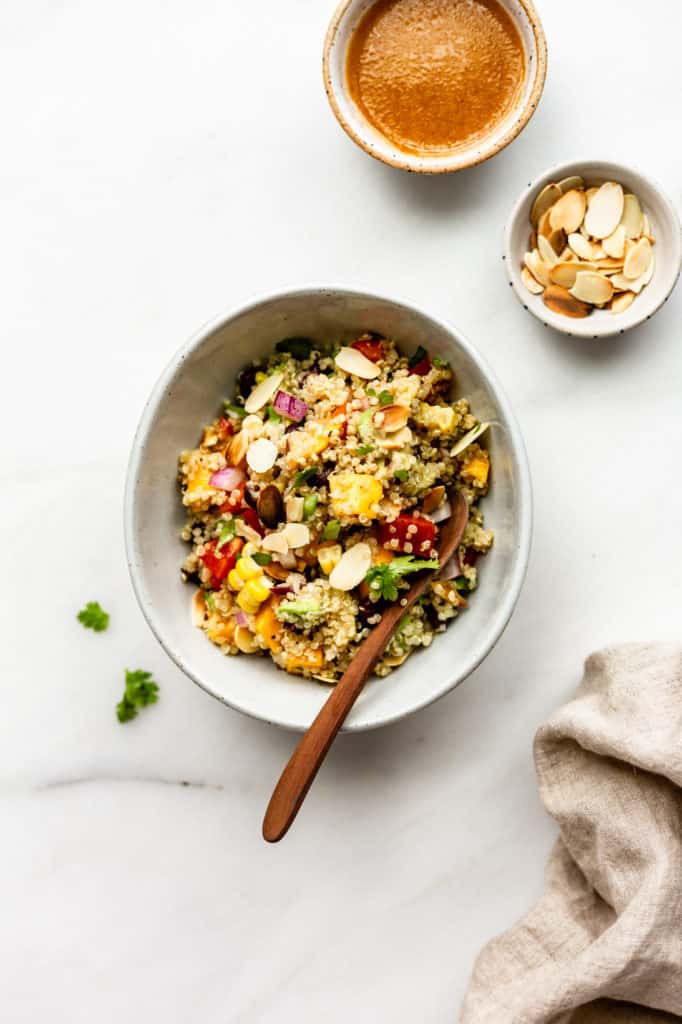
(94,617)
(382,579)
(140,690)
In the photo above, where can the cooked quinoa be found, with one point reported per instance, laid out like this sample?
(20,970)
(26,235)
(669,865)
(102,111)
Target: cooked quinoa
(318,492)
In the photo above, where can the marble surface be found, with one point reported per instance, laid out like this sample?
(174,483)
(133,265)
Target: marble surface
(163,161)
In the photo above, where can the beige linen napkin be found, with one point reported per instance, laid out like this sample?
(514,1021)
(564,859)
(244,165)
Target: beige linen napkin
(609,925)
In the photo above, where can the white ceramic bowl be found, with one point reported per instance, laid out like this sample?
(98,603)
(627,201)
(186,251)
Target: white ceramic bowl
(188,395)
(352,120)
(665,227)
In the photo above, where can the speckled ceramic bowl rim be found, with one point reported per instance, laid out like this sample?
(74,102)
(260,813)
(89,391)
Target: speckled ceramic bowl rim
(517,447)
(604,329)
(460,161)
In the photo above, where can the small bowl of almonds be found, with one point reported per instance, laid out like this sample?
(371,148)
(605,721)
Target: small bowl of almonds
(593,248)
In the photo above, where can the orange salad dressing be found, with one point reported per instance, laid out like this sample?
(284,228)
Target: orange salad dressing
(435,75)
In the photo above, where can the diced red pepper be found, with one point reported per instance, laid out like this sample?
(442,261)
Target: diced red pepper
(225,426)
(250,517)
(417,531)
(371,348)
(220,563)
(422,367)
(235,500)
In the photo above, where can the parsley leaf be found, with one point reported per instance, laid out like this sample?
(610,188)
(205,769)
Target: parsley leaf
(261,557)
(417,356)
(401,474)
(365,449)
(442,364)
(462,584)
(382,579)
(94,617)
(304,476)
(273,415)
(140,690)
(385,398)
(227,532)
(371,392)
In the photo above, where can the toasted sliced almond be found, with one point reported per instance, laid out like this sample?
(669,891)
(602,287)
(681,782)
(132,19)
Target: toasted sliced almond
(584,232)
(351,360)
(276,542)
(557,240)
(395,441)
(543,200)
(580,246)
(570,183)
(531,284)
(608,263)
(352,567)
(468,438)
(649,272)
(592,287)
(544,227)
(263,392)
(537,267)
(605,210)
(547,253)
(245,640)
(614,245)
(623,283)
(646,230)
(294,509)
(433,498)
(198,608)
(261,455)
(564,274)
(567,256)
(568,212)
(619,303)
(632,217)
(638,259)
(391,418)
(590,194)
(559,300)
(236,452)
(297,535)
(598,253)
(533,240)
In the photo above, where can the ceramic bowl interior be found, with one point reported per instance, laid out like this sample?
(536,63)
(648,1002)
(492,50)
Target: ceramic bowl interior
(190,393)
(353,121)
(665,228)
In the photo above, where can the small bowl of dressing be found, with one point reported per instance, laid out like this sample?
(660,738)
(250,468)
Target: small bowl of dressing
(434,86)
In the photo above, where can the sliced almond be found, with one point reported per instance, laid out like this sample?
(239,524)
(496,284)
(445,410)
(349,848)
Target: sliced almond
(567,256)
(393,442)
(468,438)
(352,567)
(297,535)
(276,542)
(537,267)
(261,455)
(564,274)
(547,253)
(625,284)
(568,212)
(557,240)
(580,246)
(198,608)
(632,217)
(236,452)
(433,498)
(649,272)
(622,302)
(638,259)
(559,300)
(351,360)
(590,194)
(533,240)
(245,640)
(608,263)
(276,571)
(646,230)
(605,210)
(598,253)
(544,227)
(570,183)
(293,506)
(592,287)
(391,418)
(584,232)
(614,245)
(543,200)
(263,392)
(531,284)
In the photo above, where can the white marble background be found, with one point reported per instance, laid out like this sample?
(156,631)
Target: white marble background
(162,161)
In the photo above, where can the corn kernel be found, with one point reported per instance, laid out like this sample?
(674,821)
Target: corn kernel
(247,603)
(328,556)
(247,568)
(257,589)
(234,580)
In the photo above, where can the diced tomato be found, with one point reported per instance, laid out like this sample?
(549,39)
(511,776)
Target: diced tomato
(235,499)
(422,367)
(417,531)
(371,348)
(250,517)
(221,563)
(225,426)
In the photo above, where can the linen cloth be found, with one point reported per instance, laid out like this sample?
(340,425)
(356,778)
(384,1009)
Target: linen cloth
(604,944)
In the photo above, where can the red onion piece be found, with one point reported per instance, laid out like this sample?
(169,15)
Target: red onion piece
(444,511)
(289,406)
(451,569)
(241,619)
(282,588)
(227,479)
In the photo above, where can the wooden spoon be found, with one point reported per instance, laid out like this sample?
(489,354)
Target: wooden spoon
(297,777)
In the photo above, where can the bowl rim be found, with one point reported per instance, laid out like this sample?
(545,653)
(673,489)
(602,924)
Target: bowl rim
(579,328)
(417,164)
(521,554)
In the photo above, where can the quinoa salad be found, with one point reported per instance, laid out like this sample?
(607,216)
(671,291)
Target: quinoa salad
(317,493)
